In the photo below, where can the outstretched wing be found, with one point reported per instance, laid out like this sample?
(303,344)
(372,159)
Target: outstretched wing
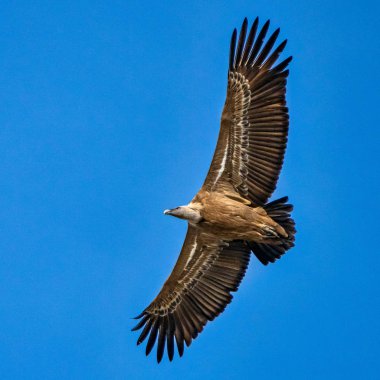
(254,126)
(198,289)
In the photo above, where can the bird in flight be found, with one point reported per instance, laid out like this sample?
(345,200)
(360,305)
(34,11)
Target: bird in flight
(230,217)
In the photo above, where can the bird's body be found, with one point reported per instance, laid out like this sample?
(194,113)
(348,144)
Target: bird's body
(230,217)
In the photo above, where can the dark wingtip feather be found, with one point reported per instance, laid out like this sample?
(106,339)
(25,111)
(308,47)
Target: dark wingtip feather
(140,315)
(282,65)
(259,42)
(145,332)
(249,42)
(170,346)
(161,339)
(240,46)
(152,337)
(140,324)
(275,54)
(180,344)
(170,337)
(274,35)
(267,47)
(232,49)
(264,29)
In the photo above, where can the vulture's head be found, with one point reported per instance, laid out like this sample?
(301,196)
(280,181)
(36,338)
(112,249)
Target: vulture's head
(185,212)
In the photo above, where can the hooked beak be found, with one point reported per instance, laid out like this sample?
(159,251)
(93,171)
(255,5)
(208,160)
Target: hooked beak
(168,212)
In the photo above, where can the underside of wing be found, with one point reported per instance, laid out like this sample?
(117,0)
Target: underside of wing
(198,290)
(254,125)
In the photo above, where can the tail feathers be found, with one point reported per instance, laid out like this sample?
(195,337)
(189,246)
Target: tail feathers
(279,211)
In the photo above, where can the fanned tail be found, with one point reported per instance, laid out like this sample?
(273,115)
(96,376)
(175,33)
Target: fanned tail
(279,211)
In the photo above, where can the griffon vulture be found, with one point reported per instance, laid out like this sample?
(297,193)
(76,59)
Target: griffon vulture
(229,217)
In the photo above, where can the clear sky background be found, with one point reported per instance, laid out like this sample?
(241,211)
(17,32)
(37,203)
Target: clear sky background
(109,114)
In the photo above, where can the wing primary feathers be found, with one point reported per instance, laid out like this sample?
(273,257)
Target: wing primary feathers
(258,43)
(250,39)
(152,336)
(273,57)
(254,88)
(161,338)
(170,336)
(145,332)
(240,46)
(232,49)
(267,48)
(141,323)
(140,315)
(180,342)
(281,66)
(178,333)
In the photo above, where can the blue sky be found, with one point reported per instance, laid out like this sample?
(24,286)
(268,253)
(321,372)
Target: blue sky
(110,113)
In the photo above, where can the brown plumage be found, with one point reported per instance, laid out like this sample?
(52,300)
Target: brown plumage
(229,217)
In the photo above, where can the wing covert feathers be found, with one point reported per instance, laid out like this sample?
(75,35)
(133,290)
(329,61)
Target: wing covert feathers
(254,126)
